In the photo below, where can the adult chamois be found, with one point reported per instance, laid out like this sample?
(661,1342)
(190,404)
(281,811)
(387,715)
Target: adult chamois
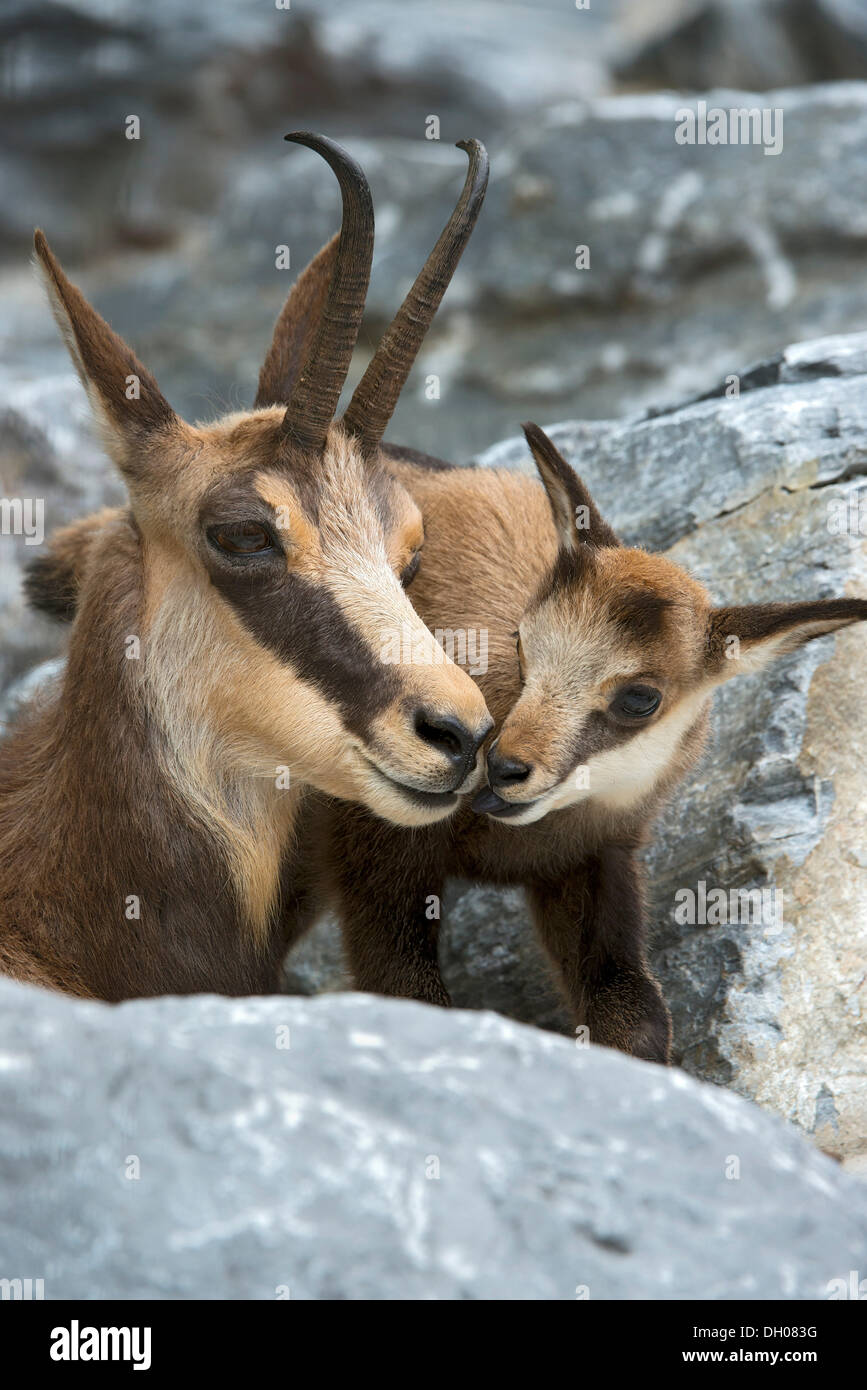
(227,639)
(602,661)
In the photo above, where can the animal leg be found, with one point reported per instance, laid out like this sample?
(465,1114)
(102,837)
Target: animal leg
(592,925)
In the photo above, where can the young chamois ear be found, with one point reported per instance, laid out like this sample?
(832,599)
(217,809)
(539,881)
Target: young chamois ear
(126,401)
(746,639)
(576,515)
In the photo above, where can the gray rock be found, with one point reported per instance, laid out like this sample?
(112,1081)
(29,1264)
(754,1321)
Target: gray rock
(753,44)
(702,258)
(52,466)
(33,685)
(663,476)
(491,961)
(214,84)
(174,1149)
(316,965)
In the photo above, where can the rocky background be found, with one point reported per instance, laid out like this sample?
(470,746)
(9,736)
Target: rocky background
(706,264)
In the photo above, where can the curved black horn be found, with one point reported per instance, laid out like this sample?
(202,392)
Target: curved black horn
(314,398)
(375,396)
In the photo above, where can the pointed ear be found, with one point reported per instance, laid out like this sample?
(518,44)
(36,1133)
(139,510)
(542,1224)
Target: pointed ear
(123,394)
(575,513)
(52,580)
(742,640)
(296,328)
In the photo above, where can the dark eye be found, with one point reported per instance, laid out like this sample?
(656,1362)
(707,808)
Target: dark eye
(409,572)
(241,538)
(636,702)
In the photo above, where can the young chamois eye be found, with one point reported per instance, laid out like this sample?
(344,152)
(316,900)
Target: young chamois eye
(635,702)
(241,538)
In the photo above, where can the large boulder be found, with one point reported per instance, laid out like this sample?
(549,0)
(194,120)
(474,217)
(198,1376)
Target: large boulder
(352,1147)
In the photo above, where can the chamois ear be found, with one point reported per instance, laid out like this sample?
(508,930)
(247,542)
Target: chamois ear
(124,396)
(53,578)
(576,516)
(296,328)
(742,640)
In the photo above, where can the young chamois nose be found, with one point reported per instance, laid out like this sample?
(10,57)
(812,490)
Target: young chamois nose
(448,735)
(504,771)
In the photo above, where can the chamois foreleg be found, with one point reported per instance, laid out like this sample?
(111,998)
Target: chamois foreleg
(591,922)
(388,894)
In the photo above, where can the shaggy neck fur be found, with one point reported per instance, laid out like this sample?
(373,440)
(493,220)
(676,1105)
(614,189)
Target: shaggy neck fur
(137,868)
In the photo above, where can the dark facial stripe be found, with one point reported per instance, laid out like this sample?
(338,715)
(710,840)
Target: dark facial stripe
(238,498)
(596,735)
(640,613)
(304,626)
(570,570)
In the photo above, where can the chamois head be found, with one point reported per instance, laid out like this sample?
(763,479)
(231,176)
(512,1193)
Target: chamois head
(273,547)
(620,652)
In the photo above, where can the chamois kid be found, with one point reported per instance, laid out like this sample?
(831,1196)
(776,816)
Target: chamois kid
(146,828)
(601,667)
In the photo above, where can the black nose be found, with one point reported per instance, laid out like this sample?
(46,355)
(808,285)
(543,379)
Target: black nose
(448,735)
(505,771)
